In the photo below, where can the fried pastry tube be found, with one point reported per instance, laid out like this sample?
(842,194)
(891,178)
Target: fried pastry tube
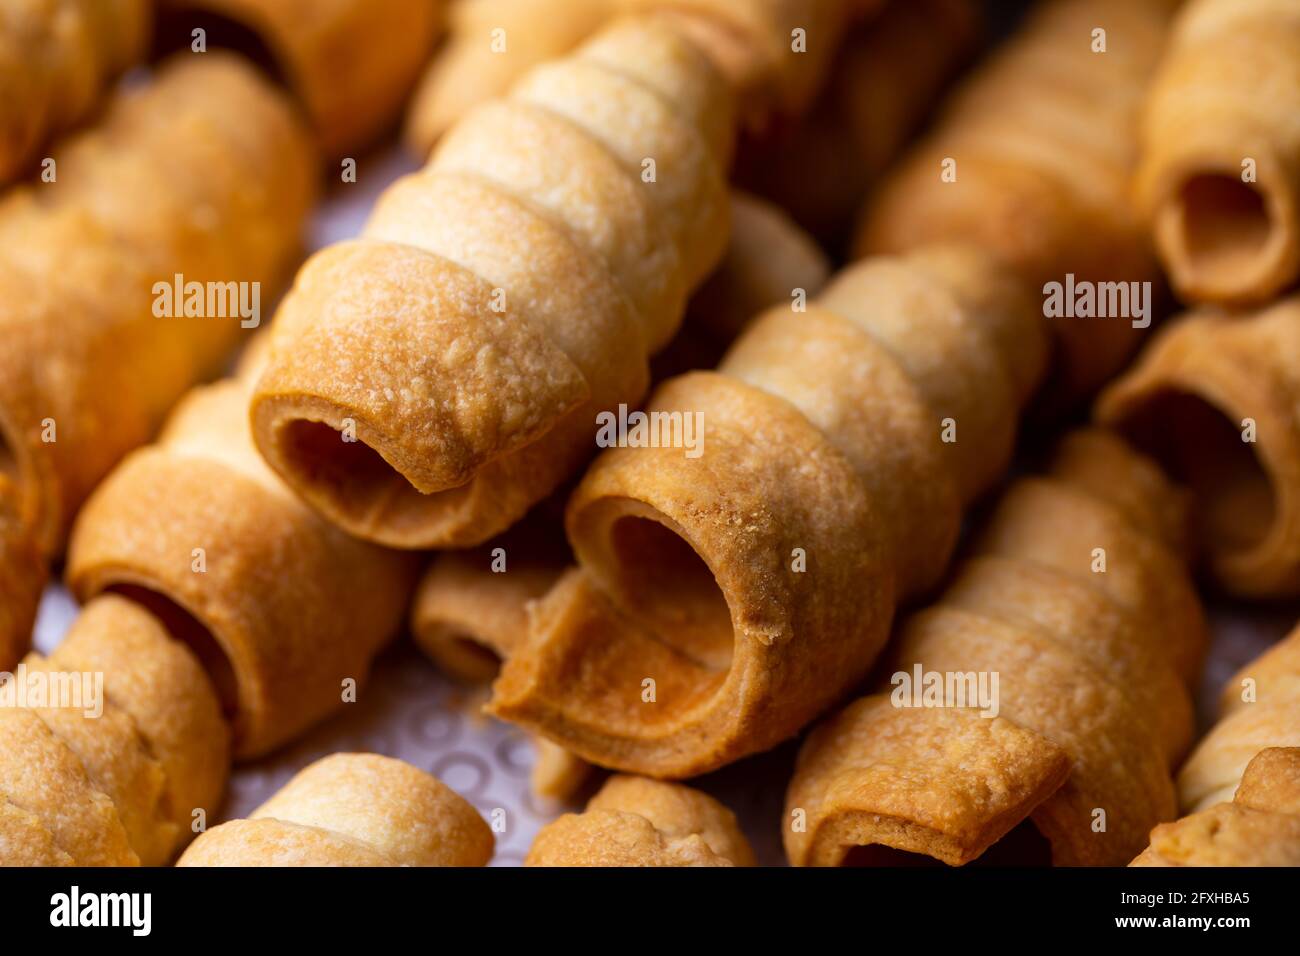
(495,42)
(1259,827)
(633,821)
(282,608)
(1220,169)
(352,809)
(726,597)
(1044,142)
(1076,599)
(119,787)
(350,63)
(1217,399)
(1259,708)
(203,173)
(501,297)
(471,606)
(56,59)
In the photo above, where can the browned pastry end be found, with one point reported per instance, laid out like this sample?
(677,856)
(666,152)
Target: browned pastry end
(1216,397)
(1090,710)
(352,809)
(633,821)
(1220,170)
(1259,827)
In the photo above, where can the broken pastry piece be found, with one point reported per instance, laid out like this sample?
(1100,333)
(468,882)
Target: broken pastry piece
(352,810)
(1214,399)
(500,298)
(1260,827)
(118,779)
(285,611)
(1220,170)
(1259,708)
(56,60)
(725,598)
(633,821)
(1032,161)
(350,63)
(1064,649)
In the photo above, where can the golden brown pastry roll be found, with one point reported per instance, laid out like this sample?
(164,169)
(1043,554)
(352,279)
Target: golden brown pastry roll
(112,774)
(1046,689)
(1042,141)
(734,586)
(350,63)
(82,255)
(56,59)
(495,42)
(1259,827)
(500,298)
(633,821)
(285,611)
(352,809)
(1220,169)
(1259,708)
(1214,397)
(889,70)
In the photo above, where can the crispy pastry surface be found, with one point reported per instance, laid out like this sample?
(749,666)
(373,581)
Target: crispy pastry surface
(633,821)
(1092,701)
(352,809)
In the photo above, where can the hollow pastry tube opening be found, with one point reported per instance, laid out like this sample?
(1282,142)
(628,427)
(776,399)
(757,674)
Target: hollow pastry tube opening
(1224,238)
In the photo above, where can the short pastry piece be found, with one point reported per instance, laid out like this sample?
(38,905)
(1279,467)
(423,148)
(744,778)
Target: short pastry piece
(352,809)
(633,821)
(350,63)
(726,596)
(56,59)
(1217,399)
(1259,708)
(1220,170)
(501,297)
(116,778)
(1089,711)
(22,578)
(1032,160)
(283,608)
(494,42)
(1260,827)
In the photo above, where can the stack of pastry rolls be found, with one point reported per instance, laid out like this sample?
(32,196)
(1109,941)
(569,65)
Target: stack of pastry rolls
(205,174)
(56,60)
(1076,599)
(1032,160)
(724,599)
